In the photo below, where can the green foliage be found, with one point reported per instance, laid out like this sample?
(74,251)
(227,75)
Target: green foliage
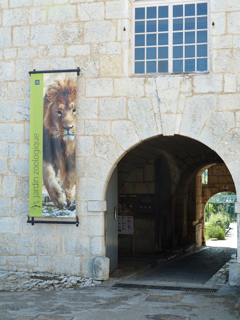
(218,217)
(214,232)
(222,202)
(213,207)
(227,221)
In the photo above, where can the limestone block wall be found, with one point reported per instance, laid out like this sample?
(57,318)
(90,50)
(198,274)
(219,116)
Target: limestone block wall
(115,111)
(219,180)
(140,180)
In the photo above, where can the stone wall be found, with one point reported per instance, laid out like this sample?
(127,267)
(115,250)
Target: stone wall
(115,111)
(219,180)
(140,180)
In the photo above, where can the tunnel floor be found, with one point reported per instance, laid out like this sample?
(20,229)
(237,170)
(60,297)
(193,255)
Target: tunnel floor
(193,269)
(129,264)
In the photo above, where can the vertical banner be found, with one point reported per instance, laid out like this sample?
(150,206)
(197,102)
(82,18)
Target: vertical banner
(52,187)
(36,146)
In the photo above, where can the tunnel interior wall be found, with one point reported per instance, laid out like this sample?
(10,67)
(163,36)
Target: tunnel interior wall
(168,211)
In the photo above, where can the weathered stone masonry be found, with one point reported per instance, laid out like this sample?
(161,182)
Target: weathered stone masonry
(115,111)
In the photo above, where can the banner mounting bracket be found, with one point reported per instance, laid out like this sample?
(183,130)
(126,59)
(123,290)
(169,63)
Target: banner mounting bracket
(32,221)
(56,71)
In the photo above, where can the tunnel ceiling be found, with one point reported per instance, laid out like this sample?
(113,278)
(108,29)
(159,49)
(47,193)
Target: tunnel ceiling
(183,151)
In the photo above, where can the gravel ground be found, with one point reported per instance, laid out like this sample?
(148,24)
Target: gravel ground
(23,281)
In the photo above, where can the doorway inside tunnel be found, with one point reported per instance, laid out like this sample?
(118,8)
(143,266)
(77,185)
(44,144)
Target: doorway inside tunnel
(160,197)
(212,184)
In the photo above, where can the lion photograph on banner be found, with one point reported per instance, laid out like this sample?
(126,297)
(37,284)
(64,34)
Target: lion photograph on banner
(59,144)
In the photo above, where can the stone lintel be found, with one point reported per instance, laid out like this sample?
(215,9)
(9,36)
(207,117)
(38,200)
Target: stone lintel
(168,124)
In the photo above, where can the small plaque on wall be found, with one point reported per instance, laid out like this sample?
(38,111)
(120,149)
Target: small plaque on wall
(125,225)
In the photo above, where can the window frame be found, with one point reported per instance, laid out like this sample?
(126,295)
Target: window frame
(170,4)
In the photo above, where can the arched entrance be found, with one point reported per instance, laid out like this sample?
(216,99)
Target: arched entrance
(211,179)
(159,185)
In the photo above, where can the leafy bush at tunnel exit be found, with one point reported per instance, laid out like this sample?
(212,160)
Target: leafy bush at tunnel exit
(219,217)
(213,231)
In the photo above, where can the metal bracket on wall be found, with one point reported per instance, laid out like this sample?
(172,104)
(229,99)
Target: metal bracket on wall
(32,221)
(56,71)
(115,211)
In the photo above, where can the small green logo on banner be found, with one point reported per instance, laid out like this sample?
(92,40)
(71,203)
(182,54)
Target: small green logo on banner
(36,146)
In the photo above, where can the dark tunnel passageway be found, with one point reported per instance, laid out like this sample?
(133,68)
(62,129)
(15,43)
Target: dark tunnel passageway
(160,190)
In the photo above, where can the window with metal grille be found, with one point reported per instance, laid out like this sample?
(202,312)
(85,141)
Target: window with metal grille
(171,37)
(205,177)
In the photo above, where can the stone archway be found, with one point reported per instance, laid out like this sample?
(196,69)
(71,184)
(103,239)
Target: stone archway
(184,157)
(149,115)
(219,180)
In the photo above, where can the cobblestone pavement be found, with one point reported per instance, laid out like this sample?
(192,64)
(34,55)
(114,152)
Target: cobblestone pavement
(205,267)
(40,296)
(52,297)
(184,273)
(107,303)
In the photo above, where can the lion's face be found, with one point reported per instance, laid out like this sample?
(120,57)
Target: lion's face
(60,110)
(63,117)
